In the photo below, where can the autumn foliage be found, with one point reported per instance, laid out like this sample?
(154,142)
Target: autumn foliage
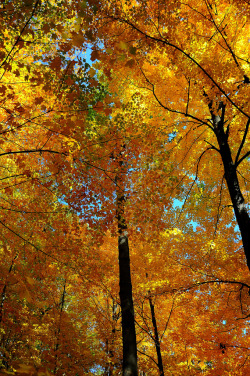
(124,146)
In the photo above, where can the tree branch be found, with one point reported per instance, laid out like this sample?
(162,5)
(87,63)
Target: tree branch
(242,159)
(242,143)
(187,55)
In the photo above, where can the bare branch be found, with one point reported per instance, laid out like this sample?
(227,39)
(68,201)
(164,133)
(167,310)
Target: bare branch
(170,313)
(191,187)
(242,143)
(150,357)
(219,211)
(188,97)
(242,159)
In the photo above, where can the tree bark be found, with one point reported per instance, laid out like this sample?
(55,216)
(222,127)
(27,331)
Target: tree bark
(59,329)
(156,337)
(110,365)
(230,169)
(3,295)
(127,307)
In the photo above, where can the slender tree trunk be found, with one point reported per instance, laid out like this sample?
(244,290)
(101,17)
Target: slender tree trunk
(110,365)
(5,358)
(156,337)
(127,307)
(3,295)
(59,329)
(231,177)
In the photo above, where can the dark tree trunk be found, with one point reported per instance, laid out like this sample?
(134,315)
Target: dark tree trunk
(5,356)
(240,208)
(59,329)
(127,307)
(3,295)
(110,366)
(156,337)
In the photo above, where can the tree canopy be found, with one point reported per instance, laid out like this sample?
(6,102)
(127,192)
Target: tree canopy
(124,187)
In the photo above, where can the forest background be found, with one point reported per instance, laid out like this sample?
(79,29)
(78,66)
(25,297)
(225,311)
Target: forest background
(124,168)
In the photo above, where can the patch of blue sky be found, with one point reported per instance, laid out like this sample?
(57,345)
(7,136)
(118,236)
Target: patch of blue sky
(177,204)
(97,370)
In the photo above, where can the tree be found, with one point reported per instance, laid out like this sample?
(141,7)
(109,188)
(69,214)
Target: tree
(94,153)
(192,66)
(126,299)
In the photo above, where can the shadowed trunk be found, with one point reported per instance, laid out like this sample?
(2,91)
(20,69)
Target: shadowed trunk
(59,329)
(156,337)
(127,307)
(230,168)
(3,295)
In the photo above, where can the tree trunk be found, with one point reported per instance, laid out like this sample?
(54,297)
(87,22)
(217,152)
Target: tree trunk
(110,365)
(231,177)
(156,337)
(59,329)
(127,308)
(3,295)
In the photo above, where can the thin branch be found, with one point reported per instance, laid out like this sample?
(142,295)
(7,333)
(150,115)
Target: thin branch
(243,177)
(221,33)
(212,146)
(57,152)
(33,245)
(243,284)
(242,365)
(242,159)
(168,108)
(147,331)
(191,187)
(187,55)
(188,97)
(33,151)
(19,37)
(170,313)
(150,357)
(219,212)
(242,143)
(34,212)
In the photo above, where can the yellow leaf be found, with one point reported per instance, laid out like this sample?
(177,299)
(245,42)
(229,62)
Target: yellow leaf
(123,45)
(91,72)
(202,365)
(25,369)
(24,294)
(30,280)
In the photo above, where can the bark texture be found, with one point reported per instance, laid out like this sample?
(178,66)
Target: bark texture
(126,299)
(127,308)
(156,337)
(230,169)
